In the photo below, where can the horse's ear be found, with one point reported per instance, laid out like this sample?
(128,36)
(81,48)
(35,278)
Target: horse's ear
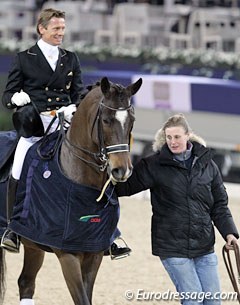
(133,88)
(105,85)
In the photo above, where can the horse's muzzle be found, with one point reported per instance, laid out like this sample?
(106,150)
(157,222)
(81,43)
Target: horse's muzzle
(119,167)
(120,174)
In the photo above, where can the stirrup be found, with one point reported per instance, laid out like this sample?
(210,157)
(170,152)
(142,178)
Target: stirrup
(11,247)
(116,257)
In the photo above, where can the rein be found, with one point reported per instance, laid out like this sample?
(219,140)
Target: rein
(50,154)
(228,264)
(96,156)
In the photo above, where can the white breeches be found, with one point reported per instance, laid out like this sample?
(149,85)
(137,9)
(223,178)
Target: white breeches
(27,302)
(25,143)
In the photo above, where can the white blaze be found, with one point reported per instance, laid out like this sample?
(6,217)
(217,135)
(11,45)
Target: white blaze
(121,116)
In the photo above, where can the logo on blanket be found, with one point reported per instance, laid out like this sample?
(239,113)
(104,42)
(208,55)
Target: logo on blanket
(90,218)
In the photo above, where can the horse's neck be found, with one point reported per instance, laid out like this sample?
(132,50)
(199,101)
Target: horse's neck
(81,167)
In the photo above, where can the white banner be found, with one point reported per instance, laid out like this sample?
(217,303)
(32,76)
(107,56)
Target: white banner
(164,92)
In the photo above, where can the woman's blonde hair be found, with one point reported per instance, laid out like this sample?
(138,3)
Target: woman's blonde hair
(177,120)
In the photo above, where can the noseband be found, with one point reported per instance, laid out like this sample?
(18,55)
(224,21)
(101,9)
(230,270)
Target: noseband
(117,148)
(103,155)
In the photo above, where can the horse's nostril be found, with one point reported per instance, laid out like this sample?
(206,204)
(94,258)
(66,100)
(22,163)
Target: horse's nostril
(118,173)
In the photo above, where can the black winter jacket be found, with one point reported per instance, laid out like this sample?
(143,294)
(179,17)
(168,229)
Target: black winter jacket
(185,204)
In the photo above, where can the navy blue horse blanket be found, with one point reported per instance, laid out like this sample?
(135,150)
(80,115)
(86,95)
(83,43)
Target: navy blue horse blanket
(8,143)
(53,211)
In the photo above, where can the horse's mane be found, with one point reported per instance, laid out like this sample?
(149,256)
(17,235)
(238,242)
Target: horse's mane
(92,86)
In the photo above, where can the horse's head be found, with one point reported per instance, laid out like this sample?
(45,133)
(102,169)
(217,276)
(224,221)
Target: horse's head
(100,134)
(116,118)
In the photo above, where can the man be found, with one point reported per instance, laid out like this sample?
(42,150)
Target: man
(49,78)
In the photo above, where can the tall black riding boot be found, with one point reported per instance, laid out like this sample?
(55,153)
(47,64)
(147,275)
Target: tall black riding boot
(10,241)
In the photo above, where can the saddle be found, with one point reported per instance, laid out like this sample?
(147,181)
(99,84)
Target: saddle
(8,143)
(229,266)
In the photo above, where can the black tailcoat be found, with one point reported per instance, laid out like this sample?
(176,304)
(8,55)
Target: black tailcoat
(48,89)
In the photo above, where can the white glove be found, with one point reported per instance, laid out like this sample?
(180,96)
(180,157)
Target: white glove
(20,98)
(68,111)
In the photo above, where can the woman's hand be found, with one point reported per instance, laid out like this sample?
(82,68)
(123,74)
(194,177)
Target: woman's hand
(231,239)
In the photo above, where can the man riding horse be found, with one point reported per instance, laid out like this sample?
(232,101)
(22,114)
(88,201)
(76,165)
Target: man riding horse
(44,81)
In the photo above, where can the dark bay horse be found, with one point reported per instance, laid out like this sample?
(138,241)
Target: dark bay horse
(94,151)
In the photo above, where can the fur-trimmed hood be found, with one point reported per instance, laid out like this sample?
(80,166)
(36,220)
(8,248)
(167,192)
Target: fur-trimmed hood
(160,140)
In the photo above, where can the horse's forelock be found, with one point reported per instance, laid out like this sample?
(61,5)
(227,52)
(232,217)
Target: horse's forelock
(119,91)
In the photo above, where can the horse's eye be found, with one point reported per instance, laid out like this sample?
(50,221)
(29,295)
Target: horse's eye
(107,121)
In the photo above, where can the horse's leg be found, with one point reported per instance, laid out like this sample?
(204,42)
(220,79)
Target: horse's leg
(90,266)
(33,260)
(71,268)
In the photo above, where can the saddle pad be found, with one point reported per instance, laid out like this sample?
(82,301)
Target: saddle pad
(54,211)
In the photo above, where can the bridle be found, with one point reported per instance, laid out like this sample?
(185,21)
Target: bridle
(100,158)
(228,264)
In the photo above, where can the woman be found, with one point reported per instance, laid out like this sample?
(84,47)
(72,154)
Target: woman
(187,197)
